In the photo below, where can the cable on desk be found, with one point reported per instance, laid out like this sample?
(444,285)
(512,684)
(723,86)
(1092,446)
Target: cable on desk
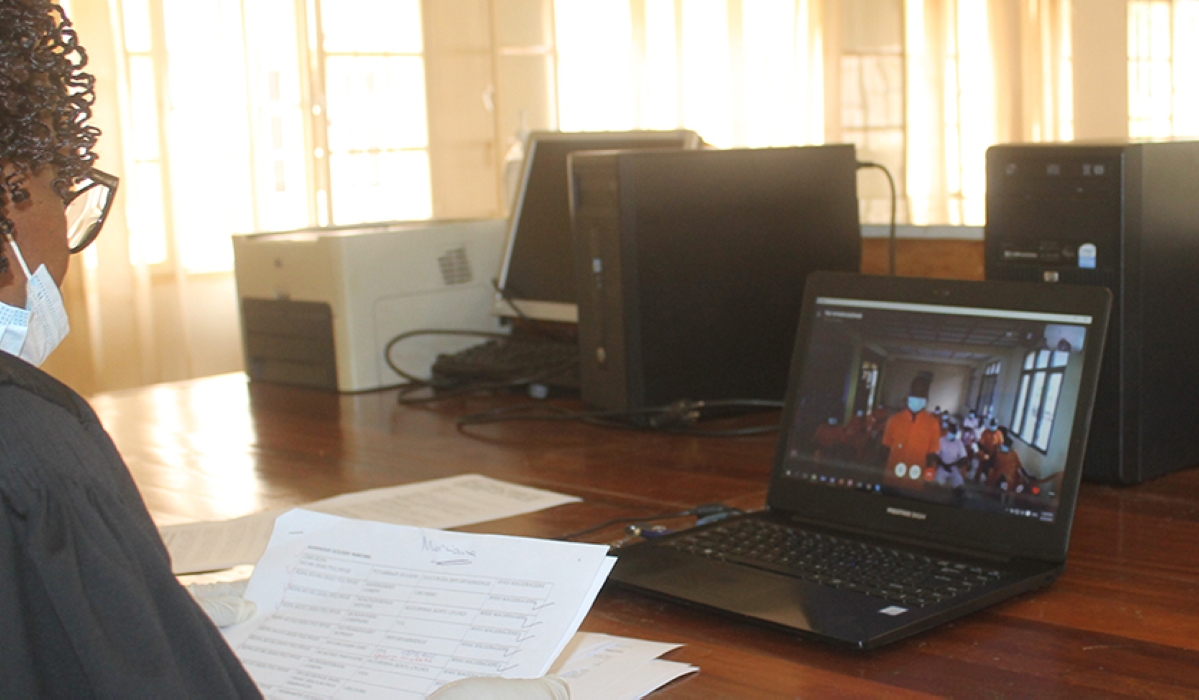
(430,381)
(450,388)
(703,511)
(677,418)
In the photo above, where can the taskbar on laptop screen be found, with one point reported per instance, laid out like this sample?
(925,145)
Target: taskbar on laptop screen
(970,407)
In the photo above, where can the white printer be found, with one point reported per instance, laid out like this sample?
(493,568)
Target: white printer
(319,306)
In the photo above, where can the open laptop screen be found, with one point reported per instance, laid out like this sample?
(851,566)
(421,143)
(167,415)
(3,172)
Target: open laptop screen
(955,405)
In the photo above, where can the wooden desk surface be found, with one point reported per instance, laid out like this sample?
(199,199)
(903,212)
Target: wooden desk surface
(1122,621)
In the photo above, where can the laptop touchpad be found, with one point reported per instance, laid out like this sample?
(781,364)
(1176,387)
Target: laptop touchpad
(711,582)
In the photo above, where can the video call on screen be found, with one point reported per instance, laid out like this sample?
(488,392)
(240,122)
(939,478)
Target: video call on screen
(960,406)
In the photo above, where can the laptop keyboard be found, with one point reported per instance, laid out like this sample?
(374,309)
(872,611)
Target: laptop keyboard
(896,575)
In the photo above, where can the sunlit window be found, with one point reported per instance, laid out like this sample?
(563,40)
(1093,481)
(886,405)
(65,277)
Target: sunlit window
(237,123)
(1041,380)
(1163,56)
(969,113)
(738,78)
(912,92)
(872,97)
(597,88)
(375,97)
(985,406)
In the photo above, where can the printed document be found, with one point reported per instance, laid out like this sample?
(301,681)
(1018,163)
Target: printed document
(352,608)
(442,503)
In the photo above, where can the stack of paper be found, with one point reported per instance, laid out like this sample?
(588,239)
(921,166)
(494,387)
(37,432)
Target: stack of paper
(602,667)
(351,608)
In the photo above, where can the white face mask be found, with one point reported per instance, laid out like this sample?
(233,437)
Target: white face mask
(32,333)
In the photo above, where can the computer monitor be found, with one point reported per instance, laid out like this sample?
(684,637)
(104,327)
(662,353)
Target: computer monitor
(537,278)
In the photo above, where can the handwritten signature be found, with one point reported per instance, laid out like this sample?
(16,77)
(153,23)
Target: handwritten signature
(460,555)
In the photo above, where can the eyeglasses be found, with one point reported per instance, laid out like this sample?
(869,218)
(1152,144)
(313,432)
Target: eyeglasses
(87,208)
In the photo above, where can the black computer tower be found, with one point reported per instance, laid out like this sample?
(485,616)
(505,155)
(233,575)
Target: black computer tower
(690,266)
(1125,216)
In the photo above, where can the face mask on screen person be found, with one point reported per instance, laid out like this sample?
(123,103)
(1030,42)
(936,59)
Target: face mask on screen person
(33,332)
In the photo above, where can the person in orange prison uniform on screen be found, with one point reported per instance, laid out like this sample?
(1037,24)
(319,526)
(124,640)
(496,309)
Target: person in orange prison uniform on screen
(988,447)
(1008,471)
(912,435)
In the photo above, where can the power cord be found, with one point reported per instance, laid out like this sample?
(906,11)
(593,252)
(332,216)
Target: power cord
(429,331)
(894,200)
(705,513)
(678,418)
(452,387)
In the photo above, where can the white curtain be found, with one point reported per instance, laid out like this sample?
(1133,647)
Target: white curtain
(106,296)
(979,74)
(771,73)
(739,72)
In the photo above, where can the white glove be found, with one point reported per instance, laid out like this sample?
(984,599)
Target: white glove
(544,688)
(224,602)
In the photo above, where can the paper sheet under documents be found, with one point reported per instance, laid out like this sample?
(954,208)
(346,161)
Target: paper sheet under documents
(442,503)
(603,667)
(351,608)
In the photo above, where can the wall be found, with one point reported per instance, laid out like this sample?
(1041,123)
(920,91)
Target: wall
(208,331)
(948,389)
(1100,46)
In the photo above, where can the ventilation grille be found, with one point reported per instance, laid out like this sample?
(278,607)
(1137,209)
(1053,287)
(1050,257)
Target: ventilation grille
(455,268)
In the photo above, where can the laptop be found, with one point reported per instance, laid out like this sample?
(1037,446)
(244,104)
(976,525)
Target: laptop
(928,462)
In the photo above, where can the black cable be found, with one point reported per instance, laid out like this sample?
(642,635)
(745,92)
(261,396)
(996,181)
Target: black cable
(618,521)
(444,389)
(429,331)
(495,284)
(677,418)
(894,201)
(450,388)
(705,510)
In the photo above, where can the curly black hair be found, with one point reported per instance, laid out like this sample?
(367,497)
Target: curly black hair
(45,102)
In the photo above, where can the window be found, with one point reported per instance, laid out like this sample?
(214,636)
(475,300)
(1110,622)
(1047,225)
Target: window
(867,390)
(985,406)
(1163,97)
(911,84)
(969,115)
(873,98)
(1036,403)
(254,115)
(373,74)
(738,73)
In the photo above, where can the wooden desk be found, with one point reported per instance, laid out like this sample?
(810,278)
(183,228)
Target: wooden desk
(1122,621)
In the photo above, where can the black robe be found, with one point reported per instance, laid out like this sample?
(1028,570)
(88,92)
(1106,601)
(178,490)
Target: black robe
(88,604)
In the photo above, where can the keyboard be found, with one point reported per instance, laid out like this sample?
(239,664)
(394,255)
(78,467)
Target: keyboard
(896,575)
(527,359)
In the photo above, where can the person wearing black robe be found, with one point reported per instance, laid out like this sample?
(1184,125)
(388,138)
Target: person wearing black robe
(88,604)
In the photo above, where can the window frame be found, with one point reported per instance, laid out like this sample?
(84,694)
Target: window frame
(984,404)
(1040,378)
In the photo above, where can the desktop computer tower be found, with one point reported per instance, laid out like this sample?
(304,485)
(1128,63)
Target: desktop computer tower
(690,266)
(1125,216)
